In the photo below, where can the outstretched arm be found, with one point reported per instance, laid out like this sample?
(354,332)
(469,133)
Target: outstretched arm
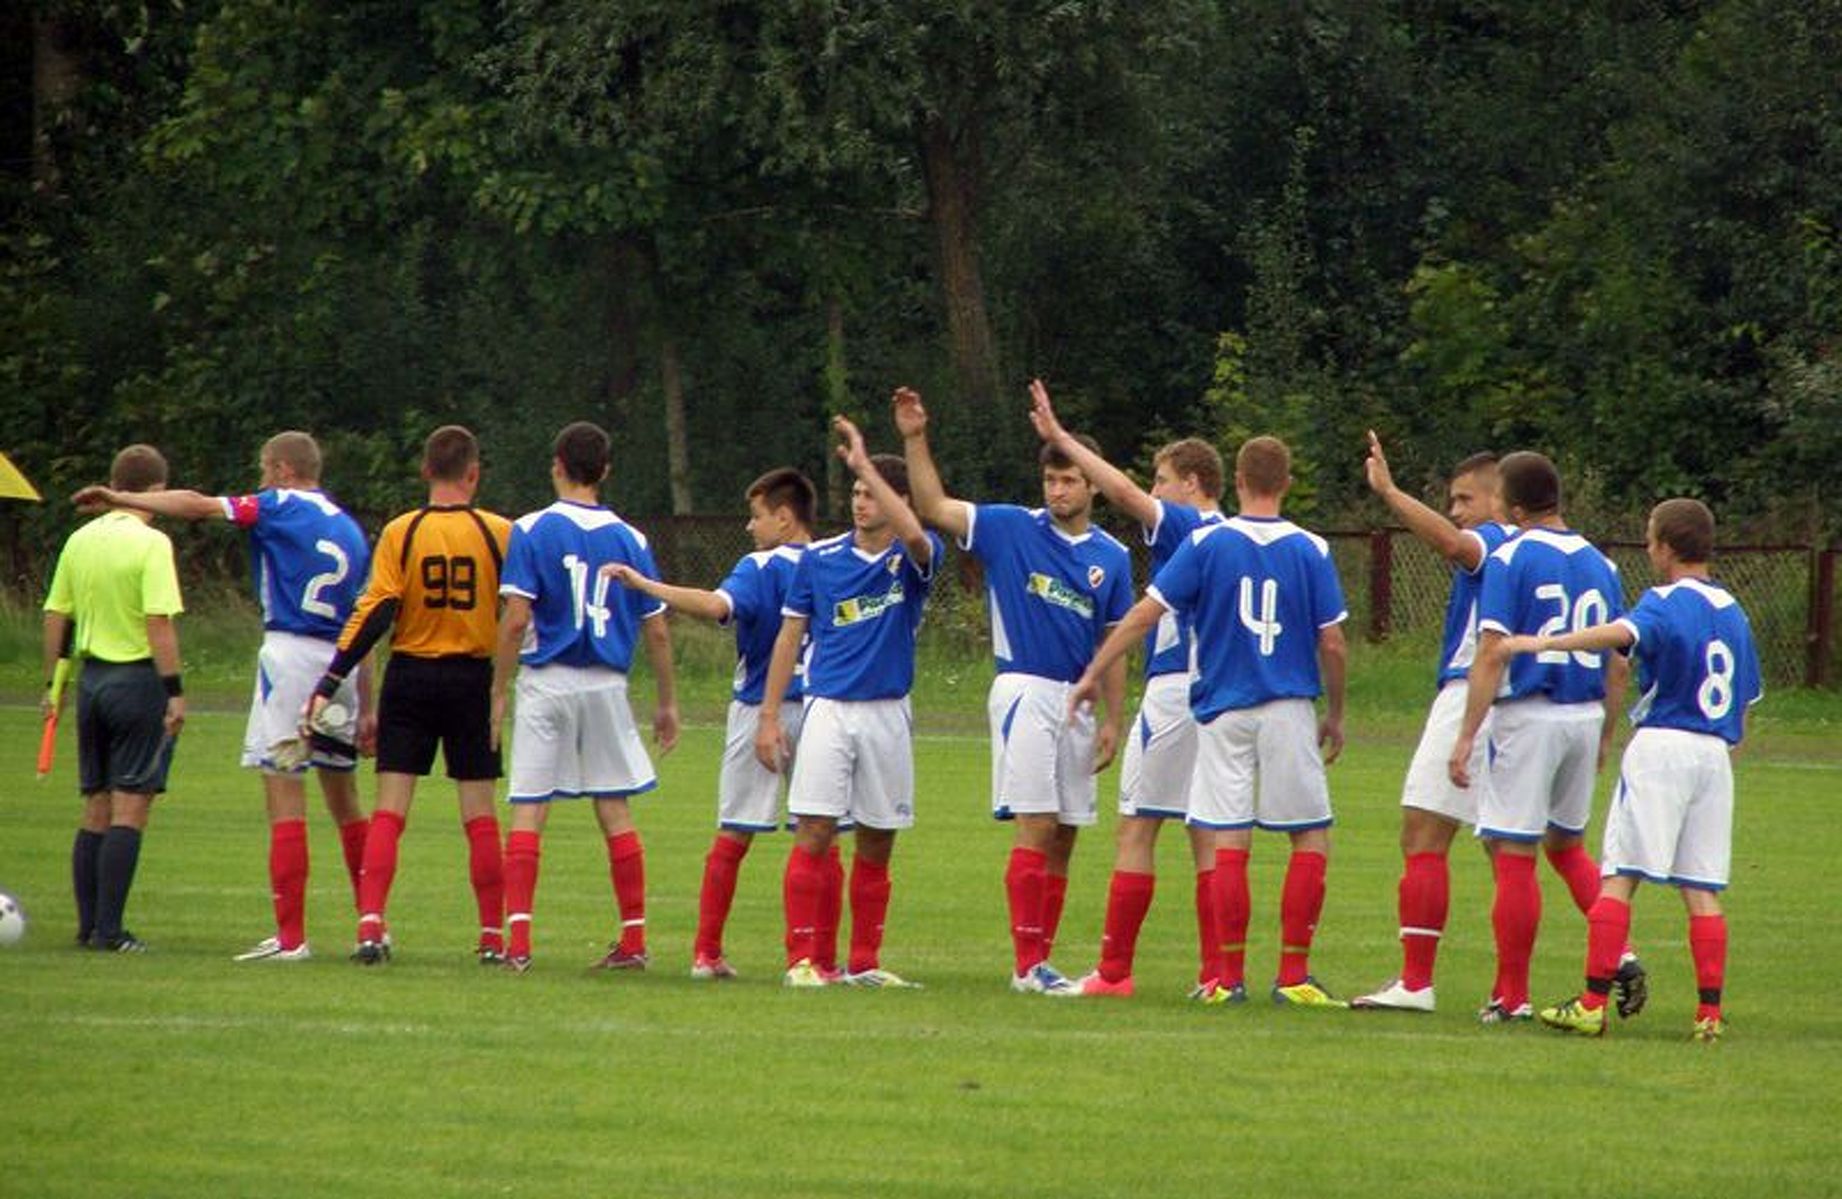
(692,601)
(902,518)
(1140,620)
(182,505)
(1113,483)
(932,503)
(1445,538)
(1615,635)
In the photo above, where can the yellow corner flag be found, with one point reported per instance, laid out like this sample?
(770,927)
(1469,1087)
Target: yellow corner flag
(13,485)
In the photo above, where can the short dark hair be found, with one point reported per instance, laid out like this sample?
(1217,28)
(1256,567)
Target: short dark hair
(1686,527)
(1265,465)
(583,449)
(1530,482)
(1482,460)
(1194,456)
(298,451)
(139,467)
(894,471)
(784,487)
(1056,458)
(448,452)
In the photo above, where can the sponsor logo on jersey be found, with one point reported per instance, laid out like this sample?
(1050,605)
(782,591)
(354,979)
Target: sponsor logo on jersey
(865,607)
(1052,590)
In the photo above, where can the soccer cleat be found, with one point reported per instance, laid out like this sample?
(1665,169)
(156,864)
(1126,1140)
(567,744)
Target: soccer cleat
(1096,983)
(619,959)
(1310,993)
(1395,997)
(1042,979)
(516,963)
(831,974)
(1214,994)
(1495,1013)
(707,969)
(269,950)
(1575,1017)
(1708,1030)
(803,975)
(371,953)
(122,942)
(877,977)
(1630,986)
(486,955)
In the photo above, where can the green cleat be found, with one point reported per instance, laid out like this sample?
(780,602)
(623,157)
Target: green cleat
(1575,1017)
(1309,993)
(1708,1030)
(802,975)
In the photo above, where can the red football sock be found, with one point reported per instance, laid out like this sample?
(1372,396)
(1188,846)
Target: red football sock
(1128,898)
(1055,895)
(1425,899)
(486,868)
(1023,884)
(288,880)
(1208,936)
(1300,905)
(627,866)
(721,866)
(1233,906)
(1576,866)
(800,890)
(379,872)
(1515,917)
(869,907)
(830,913)
(1708,946)
(523,849)
(1608,926)
(352,841)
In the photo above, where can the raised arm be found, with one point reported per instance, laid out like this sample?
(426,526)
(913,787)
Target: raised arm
(181,505)
(1445,538)
(932,503)
(1113,483)
(902,518)
(692,601)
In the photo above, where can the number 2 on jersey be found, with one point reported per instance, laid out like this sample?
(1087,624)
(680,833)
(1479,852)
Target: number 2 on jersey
(1584,612)
(310,595)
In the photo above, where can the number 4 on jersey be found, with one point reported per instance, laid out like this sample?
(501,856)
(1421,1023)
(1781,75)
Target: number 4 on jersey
(1266,624)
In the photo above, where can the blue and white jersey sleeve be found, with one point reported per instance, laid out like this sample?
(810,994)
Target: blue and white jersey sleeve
(1167,645)
(742,589)
(520,574)
(1697,664)
(754,590)
(1458,644)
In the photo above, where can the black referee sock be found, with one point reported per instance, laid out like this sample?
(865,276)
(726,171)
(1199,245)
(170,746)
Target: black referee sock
(121,853)
(85,865)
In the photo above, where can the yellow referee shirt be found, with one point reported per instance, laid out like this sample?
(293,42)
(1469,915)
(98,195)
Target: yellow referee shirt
(114,573)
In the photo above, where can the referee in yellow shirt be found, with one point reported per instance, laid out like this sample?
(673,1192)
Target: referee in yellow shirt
(113,597)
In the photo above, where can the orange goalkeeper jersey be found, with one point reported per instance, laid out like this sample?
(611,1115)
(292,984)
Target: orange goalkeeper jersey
(438,568)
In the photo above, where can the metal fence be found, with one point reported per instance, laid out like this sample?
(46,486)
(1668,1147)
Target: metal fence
(1397,587)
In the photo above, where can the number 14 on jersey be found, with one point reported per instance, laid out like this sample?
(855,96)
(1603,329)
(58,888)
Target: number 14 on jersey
(590,588)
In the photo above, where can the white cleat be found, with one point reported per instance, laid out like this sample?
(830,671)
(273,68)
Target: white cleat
(1044,979)
(877,977)
(269,950)
(1395,997)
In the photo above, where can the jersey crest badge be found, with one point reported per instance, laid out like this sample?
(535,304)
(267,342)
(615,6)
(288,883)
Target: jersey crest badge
(1096,575)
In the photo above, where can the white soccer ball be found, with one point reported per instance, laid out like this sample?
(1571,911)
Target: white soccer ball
(12,921)
(333,717)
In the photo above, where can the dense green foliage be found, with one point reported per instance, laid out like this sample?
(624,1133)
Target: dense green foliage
(1612,231)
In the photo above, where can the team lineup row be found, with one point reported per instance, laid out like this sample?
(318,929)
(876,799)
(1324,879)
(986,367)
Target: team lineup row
(1242,644)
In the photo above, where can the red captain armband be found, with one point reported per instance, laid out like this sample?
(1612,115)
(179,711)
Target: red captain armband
(243,509)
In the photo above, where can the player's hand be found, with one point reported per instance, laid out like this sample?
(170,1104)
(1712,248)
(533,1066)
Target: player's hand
(174,720)
(367,735)
(310,713)
(623,574)
(910,414)
(1458,766)
(49,707)
(771,748)
(851,448)
(94,498)
(665,727)
(1381,479)
(495,723)
(1330,738)
(1106,746)
(1084,694)
(1042,414)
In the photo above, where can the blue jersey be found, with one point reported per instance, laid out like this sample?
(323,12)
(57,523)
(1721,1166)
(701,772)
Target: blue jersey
(756,589)
(1167,646)
(1458,647)
(1052,595)
(865,610)
(308,557)
(1549,581)
(579,617)
(1697,667)
(1259,590)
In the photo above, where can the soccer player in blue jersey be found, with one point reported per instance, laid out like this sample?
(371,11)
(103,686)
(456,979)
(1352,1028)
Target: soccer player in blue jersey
(1548,732)
(1432,809)
(860,597)
(781,506)
(308,559)
(1267,612)
(1671,819)
(1055,584)
(569,633)
(1160,748)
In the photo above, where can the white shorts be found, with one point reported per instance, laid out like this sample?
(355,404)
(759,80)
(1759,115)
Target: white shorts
(856,759)
(1260,766)
(1543,757)
(1672,815)
(1042,759)
(1429,784)
(288,667)
(748,793)
(573,735)
(1160,753)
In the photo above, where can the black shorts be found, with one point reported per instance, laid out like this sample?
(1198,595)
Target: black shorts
(121,728)
(430,701)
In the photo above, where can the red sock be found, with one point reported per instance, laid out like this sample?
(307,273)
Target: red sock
(1233,906)
(830,913)
(352,841)
(869,907)
(1708,946)
(627,866)
(1515,917)
(486,867)
(1576,866)
(801,887)
(1128,898)
(1608,926)
(1425,898)
(1023,884)
(379,872)
(1055,895)
(522,851)
(288,880)
(721,866)
(1208,936)
(1300,905)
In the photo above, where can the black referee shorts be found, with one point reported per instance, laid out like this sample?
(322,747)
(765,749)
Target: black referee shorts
(428,702)
(121,728)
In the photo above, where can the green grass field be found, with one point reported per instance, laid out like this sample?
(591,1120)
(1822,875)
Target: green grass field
(179,1073)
